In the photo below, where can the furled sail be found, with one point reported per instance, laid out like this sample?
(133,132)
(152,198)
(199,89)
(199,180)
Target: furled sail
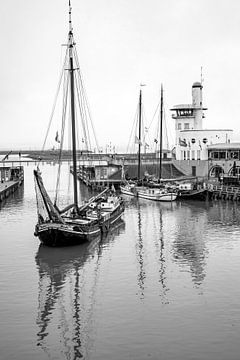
(49,207)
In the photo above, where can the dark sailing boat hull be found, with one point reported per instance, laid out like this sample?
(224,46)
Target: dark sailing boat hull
(201,194)
(55,234)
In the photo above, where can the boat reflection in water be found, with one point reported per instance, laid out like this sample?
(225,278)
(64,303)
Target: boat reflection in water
(189,248)
(67,284)
(150,243)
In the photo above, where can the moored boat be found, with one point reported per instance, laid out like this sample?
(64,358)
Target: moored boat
(75,223)
(192,191)
(61,228)
(159,192)
(149,193)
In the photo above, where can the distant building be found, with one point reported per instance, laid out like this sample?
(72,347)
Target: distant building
(192,141)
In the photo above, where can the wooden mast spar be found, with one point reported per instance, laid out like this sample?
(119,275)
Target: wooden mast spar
(73,121)
(160,135)
(139,134)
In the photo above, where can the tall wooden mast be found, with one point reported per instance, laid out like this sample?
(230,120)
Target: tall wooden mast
(139,134)
(73,121)
(160,135)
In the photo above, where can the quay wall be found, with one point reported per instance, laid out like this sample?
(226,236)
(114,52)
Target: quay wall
(201,167)
(8,188)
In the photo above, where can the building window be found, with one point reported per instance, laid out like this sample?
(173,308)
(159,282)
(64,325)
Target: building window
(235,171)
(179,126)
(198,155)
(234,155)
(103,173)
(193,154)
(222,155)
(184,155)
(204,140)
(186,126)
(193,141)
(188,154)
(216,171)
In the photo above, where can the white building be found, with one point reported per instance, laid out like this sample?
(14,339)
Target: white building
(192,140)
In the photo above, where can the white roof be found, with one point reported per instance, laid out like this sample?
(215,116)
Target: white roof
(224,146)
(206,130)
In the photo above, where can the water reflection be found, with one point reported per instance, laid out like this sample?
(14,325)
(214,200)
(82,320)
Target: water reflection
(140,253)
(189,244)
(67,284)
(160,251)
(150,245)
(14,200)
(224,214)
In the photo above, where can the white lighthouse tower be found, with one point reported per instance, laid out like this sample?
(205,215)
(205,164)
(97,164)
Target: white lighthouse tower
(191,139)
(197,105)
(189,116)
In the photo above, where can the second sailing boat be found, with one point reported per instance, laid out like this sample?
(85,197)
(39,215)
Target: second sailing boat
(158,193)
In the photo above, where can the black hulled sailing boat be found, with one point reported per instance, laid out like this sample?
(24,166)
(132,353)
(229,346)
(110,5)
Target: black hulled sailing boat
(74,224)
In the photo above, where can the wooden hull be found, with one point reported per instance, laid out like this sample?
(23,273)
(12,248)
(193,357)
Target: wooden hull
(127,191)
(158,197)
(56,234)
(149,193)
(201,194)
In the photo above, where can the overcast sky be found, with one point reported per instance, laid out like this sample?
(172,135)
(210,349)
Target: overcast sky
(121,43)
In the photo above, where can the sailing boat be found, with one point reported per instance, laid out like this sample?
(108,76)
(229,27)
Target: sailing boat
(74,224)
(158,193)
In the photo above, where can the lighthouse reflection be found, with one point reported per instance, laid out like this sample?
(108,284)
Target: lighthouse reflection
(189,247)
(67,282)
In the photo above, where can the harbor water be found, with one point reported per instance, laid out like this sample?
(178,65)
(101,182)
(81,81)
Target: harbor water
(163,284)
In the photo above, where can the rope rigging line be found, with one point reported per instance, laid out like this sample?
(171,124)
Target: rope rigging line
(55,102)
(133,130)
(153,117)
(83,116)
(85,97)
(65,97)
(143,127)
(165,126)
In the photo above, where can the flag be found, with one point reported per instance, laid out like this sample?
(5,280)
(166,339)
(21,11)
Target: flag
(113,188)
(155,140)
(200,145)
(137,141)
(57,138)
(146,145)
(182,142)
